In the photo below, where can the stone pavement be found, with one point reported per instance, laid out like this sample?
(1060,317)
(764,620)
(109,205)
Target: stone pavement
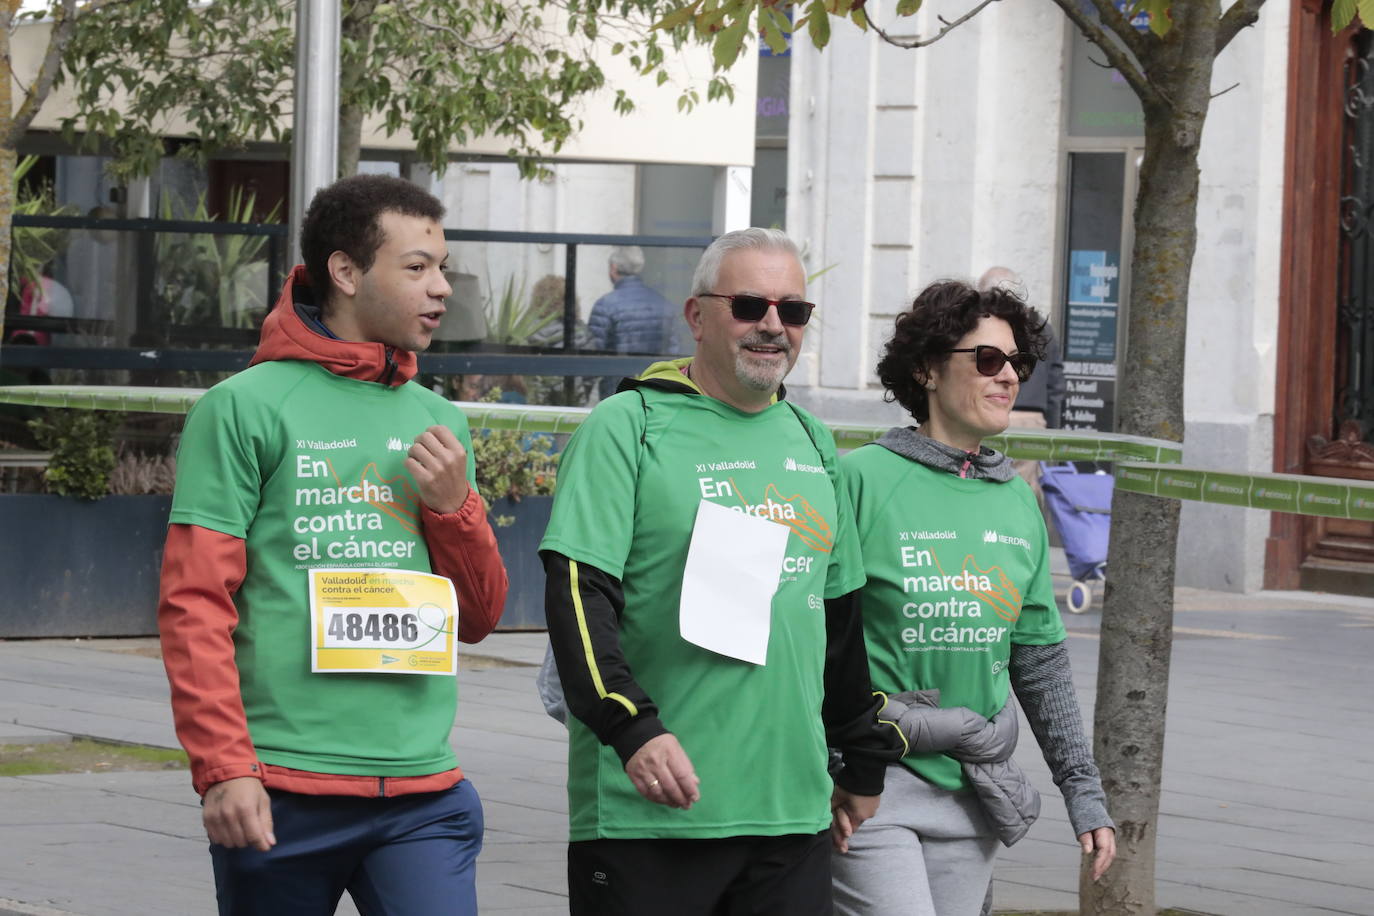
(1265,810)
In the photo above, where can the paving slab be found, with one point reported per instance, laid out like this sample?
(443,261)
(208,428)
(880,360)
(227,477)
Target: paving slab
(1266,744)
(1264,807)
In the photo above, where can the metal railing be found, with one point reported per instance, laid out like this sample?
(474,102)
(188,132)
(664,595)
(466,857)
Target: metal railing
(157,344)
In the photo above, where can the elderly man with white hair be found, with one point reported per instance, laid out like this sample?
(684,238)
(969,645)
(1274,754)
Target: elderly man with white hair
(632,318)
(697,557)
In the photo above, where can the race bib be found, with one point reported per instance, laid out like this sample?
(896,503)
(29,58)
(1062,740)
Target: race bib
(382,621)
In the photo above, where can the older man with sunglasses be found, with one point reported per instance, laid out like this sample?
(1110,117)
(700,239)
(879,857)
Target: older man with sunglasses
(696,537)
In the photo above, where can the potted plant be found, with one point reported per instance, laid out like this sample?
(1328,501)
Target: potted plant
(83,557)
(516,473)
(208,280)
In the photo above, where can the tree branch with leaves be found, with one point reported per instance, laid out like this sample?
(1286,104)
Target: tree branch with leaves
(449,72)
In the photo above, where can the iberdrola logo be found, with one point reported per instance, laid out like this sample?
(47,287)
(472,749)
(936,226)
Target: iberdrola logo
(792,464)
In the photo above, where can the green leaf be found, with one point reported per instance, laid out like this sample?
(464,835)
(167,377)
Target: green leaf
(818,23)
(908,7)
(1342,14)
(710,21)
(678,17)
(729,42)
(775,29)
(1366,8)
(1158,11)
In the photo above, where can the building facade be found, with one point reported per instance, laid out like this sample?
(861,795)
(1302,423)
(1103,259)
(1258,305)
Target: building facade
(1003,144)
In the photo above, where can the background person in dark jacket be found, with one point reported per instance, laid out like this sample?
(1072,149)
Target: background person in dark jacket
(632,318)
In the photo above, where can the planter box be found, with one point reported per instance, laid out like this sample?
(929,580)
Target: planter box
(519,543)
(72,567)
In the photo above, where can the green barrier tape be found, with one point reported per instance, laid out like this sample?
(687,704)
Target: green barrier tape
(103,397)
(1147,466)
(1294,493)
(515,417)
(1042,445)
(1047,444)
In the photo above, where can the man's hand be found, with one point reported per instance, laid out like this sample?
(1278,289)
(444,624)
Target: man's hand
(238,813)
(663,774)
(439,464)
(848,811)
(1101,845)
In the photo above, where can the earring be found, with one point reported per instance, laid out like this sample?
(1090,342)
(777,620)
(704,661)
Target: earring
(930,386)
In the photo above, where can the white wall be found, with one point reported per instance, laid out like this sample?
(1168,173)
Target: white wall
(912,166)
(1234,301)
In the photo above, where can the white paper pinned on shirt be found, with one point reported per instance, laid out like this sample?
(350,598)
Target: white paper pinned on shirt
(733,567)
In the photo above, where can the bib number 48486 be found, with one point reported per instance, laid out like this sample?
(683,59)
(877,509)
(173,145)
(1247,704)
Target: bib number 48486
(371,629)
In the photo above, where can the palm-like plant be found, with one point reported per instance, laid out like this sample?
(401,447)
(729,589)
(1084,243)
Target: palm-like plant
(514,319)
(33,247)
(211,279)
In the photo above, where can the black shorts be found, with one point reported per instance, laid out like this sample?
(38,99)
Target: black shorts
(732,876)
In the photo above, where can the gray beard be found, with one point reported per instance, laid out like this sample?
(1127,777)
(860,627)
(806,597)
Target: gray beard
(760,379)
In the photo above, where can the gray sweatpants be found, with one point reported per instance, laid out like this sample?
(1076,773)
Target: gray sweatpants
(927,852)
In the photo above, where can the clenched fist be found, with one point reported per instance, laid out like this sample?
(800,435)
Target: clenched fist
(439,464)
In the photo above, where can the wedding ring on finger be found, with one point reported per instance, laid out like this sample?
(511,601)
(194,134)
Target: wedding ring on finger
(654,783)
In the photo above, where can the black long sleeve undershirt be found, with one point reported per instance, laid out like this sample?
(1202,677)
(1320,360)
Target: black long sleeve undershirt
(850,708)
(583,605)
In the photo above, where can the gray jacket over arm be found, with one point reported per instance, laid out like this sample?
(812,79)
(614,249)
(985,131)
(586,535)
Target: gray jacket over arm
(1043,683)
(982,746)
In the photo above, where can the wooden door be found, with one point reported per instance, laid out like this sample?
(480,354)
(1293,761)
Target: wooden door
(1324,423)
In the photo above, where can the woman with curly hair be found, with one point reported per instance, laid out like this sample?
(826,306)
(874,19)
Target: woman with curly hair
(958,612)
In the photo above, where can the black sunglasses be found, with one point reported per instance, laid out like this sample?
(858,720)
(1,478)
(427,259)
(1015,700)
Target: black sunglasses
(753,308)
(989,360)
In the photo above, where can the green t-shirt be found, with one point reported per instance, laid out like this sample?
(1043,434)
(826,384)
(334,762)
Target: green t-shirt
(629,486)
(308,468)
(958,570)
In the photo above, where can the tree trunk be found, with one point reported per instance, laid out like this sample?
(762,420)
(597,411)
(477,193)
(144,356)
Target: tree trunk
(1137,618)
(8,160)
(355,28)
(350,139)
(8,157)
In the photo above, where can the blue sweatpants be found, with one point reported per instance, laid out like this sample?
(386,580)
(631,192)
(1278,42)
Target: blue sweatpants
(411,855)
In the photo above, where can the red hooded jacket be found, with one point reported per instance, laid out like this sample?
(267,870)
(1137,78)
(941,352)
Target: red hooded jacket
(202,569)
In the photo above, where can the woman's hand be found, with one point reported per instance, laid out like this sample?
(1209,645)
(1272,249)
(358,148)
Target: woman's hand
(1101,845)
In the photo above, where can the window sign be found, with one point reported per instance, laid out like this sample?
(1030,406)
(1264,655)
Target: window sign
(1093,285)
(1090,340)
(774,98)
(1093,289)
(1101,102)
